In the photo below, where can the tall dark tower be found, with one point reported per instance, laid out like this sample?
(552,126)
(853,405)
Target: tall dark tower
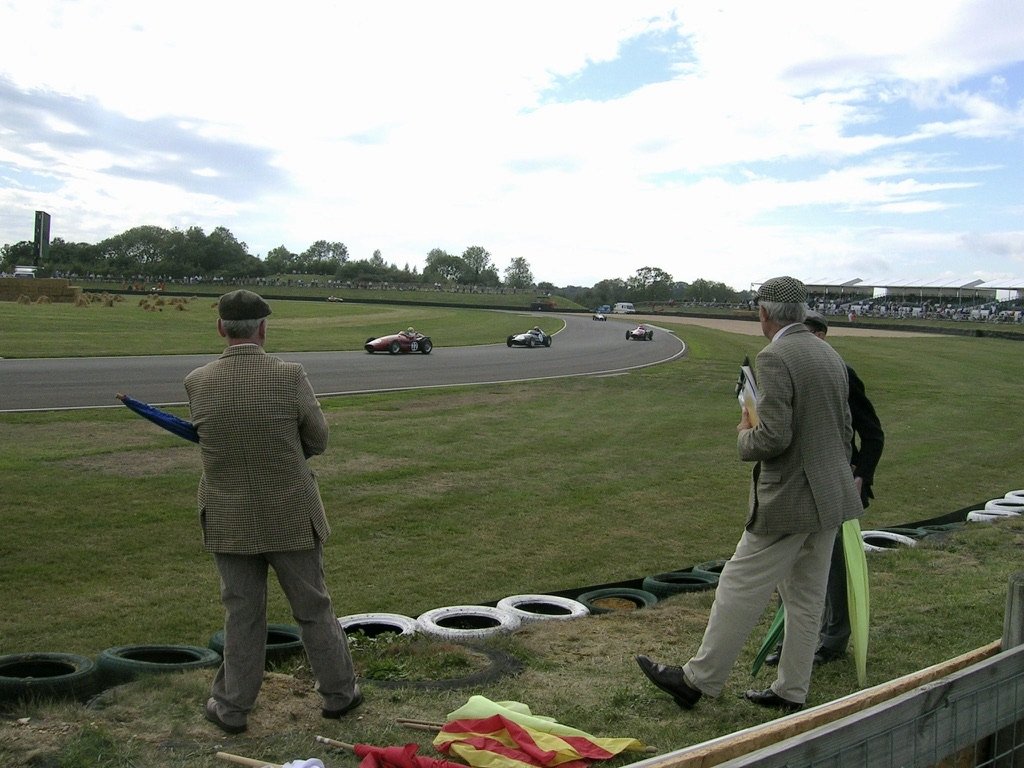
(42,241)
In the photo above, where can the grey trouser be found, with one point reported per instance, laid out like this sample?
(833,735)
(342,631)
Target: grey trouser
(835,623)
(243,591)
(795,563)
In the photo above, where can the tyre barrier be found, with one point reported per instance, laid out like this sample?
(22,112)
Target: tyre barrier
(944,527)
(614,599)
(283,642)
(677,582)
(913,533)
(125,663)
(47,676)
(377,624)
(542,607)
(711,566)
(988,516)
(467,622)
(1009,506)
(883,541)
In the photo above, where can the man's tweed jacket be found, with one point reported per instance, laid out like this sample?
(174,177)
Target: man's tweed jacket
(258,421)
(802,481)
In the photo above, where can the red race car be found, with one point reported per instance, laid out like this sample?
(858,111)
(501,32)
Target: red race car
(409,340)
(640,333)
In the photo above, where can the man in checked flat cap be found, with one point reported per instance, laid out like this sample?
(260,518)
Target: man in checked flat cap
(260,507)
(801,492)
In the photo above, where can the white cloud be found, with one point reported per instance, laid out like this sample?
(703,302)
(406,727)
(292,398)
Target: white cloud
(791,132)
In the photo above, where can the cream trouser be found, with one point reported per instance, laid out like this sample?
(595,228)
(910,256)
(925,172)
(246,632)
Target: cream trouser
(798,565)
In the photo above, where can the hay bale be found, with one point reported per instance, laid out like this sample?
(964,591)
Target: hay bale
(23,299)
(44,299)
(81,301)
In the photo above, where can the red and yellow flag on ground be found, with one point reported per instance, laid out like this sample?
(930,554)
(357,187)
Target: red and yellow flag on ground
(488,734)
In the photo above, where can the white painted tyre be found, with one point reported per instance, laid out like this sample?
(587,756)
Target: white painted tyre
(883,541)
(467,622)
(374,624)
(1014,506)
(983,516)
(1015,494)
(541,607)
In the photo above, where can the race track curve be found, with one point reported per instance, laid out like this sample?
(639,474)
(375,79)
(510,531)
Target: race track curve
(584,347)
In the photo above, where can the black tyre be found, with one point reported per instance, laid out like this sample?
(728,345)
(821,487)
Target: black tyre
(529,341)
(711,566)
(47,676)
(124,663)
(650,335)
(547,341)
(676,582)
(367,346)
(425,346)
(394,348)
(283,642)
(613,599)
(509,341)
(627,335)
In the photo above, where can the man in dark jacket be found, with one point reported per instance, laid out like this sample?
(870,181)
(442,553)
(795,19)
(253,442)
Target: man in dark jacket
(835,624)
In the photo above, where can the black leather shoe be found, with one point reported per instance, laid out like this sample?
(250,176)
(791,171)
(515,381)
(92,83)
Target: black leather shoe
(828,655)
(671,680)
(210,711)
(337,714)
(772,659)
(768,698)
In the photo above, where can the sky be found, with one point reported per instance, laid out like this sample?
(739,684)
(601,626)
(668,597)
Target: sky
(727,141)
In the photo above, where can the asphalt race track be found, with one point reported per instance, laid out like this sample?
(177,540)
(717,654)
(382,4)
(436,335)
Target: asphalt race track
(584,347)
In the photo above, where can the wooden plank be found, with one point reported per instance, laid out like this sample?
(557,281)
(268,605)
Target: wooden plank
(718,751)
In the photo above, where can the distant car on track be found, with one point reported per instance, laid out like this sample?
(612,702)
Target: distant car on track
(600,316)
(534,337)
(409,340)
(640,333)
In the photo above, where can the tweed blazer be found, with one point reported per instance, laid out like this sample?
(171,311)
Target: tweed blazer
(802,481)
(258,422)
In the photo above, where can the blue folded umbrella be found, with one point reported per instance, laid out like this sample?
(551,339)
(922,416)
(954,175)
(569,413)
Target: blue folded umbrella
(168,421)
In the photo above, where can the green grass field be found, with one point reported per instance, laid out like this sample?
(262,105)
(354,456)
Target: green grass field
(468,495)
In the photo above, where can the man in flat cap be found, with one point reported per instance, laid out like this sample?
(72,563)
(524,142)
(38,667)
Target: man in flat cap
(866,450)
(801,492)
(260,508)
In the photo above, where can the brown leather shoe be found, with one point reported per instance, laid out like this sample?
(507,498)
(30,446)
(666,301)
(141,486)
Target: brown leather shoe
(671,680)
(769,698)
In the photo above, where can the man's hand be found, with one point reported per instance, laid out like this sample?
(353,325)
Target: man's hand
(744,420)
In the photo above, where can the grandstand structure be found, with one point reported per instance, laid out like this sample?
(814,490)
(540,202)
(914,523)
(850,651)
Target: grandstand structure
(937,292)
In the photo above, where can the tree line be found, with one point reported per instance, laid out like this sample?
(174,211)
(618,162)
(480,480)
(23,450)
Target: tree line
(153,253)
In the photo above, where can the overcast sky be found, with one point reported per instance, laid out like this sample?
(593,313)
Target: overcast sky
(728,141)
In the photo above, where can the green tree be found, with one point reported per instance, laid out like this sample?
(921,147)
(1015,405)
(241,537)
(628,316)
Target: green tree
(280,261)
(650,284)
(443,267)
(322,258)
(518,274)
(478,264)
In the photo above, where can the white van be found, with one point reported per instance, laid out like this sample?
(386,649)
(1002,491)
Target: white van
(623,308)
(24,271)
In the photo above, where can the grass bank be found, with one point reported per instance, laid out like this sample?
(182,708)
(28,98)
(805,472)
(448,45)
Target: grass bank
(472,494)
